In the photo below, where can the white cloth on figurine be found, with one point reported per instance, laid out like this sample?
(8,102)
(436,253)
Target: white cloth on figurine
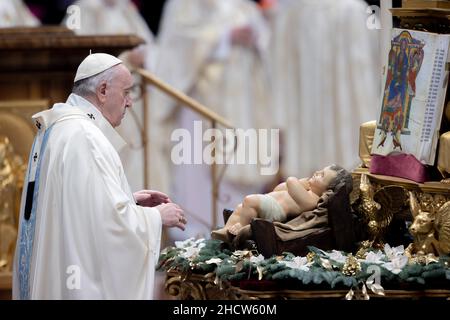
(271,209)
(90,240)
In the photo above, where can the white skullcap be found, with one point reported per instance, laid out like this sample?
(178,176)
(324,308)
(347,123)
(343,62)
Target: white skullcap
(94,64)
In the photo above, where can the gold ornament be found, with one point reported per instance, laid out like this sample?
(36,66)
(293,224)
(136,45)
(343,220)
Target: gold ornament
(310,256)
(361,253)
(430,228)
(351,266)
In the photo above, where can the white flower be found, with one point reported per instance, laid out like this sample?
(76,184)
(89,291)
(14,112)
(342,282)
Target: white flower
(190,253)
(326,264)
(217,261)
(257,259)
(191,247)
(183,244)
(391,253)
(200,243)
(300,263)
(397,264)
(337,256)
(374,257)
(242,254)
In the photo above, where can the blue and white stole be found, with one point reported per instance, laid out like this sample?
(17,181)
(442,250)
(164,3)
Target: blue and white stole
(28,214)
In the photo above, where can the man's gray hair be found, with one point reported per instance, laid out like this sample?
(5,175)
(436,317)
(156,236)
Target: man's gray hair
(342,177)
(87,87)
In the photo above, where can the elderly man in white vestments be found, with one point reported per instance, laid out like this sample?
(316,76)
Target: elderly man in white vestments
(119,17)
(83,234)
(214,51)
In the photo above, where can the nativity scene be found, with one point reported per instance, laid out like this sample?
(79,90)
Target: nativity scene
(233,150)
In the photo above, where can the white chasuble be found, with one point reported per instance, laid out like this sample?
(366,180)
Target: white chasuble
(81,234)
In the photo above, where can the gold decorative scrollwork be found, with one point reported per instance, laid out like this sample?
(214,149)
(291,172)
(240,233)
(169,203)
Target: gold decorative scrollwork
(198,287)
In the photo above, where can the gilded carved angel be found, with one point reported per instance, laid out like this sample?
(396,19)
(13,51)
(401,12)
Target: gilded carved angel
(380,207)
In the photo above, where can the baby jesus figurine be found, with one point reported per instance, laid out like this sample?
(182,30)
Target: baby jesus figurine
(288,200)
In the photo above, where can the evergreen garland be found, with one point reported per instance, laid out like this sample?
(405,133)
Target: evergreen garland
(319,270)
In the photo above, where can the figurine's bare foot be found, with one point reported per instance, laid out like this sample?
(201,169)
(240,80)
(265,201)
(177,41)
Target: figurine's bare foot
(234,229)
(221,234)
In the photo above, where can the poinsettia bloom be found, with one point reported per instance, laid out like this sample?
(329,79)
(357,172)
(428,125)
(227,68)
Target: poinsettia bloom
(257,259)
(214,260)
(185,243)
(391,253)
(374,257)
(191,242)
(300,263)
(397,264)
(190,253)
(200,243)
(337,256)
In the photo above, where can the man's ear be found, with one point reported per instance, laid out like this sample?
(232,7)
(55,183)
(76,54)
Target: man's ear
(101,92)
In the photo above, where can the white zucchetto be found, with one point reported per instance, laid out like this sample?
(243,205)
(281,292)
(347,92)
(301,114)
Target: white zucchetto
(94,64)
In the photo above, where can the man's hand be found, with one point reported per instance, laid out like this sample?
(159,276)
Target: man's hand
(150,198)
(172,215)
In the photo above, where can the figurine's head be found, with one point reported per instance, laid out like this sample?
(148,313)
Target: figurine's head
(423,223)
(330,178)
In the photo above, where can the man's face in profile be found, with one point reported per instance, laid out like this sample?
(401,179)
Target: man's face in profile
(118,97)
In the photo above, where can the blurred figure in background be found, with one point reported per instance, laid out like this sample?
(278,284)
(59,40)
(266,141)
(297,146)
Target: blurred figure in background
(15,13)
(326,80)
(216,52)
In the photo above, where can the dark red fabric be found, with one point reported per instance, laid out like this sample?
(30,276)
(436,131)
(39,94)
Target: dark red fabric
(399,165)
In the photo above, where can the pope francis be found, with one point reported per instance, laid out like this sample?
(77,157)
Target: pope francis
(83,234)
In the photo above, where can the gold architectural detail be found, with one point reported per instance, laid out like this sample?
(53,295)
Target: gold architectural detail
(197,287)
(431,226)
(12,170)
(379,205)
(423,19)
(430,207)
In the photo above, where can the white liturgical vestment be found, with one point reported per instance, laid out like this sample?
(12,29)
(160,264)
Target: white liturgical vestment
(81,234)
